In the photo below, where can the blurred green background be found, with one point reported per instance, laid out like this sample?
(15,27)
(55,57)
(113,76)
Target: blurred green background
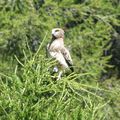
(27,91)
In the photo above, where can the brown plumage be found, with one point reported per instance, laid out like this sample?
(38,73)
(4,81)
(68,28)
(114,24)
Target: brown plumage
(58,51)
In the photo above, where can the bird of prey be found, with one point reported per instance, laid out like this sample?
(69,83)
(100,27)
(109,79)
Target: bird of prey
(59,52)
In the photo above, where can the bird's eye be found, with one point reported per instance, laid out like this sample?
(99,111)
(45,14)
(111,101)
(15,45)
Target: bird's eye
(56,30)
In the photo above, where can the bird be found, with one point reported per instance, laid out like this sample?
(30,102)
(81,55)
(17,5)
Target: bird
(59,52)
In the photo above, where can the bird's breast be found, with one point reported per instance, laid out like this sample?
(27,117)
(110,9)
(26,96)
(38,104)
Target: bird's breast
(55,46)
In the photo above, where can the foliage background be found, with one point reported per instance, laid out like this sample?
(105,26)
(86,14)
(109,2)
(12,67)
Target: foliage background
(27,90)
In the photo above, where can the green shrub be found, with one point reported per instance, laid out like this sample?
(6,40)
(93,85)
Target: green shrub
(27,87)
(34,94)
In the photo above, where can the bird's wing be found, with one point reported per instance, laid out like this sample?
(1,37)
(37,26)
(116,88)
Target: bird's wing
(67,57)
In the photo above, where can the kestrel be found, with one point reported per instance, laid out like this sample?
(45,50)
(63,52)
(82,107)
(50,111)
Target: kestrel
(59,52)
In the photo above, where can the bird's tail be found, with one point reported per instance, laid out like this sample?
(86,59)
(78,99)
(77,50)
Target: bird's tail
(71,68)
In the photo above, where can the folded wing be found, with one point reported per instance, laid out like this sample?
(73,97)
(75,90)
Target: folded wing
(67,58)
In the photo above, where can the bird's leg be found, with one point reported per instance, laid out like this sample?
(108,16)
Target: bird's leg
(59,76)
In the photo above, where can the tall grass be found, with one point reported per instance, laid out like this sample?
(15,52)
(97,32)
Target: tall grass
(33,94)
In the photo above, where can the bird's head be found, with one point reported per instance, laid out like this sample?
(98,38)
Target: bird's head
(57,33)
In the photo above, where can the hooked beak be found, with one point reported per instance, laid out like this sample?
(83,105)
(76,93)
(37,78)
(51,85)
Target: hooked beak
(53,37)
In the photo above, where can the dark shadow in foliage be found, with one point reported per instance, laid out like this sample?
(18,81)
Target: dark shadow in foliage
(116,27)
(38,4)
(72,24)
(78,21)
(13,47)
(115,3)
(34,43)
(114,50)
(79,1)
